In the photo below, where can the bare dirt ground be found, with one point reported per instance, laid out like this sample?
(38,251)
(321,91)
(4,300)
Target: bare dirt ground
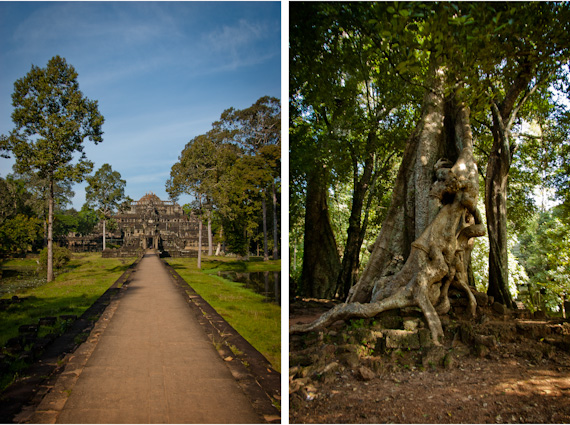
(522,376)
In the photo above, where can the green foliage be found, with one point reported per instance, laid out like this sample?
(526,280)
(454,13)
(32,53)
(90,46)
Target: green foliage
(230,171)
(19,233)
(105,191)
(52,119)
(61,257)
(544,250)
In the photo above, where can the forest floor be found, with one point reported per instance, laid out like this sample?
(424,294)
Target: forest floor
(343,375)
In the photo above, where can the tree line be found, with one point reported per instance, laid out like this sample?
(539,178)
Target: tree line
(384,98)
(233,174)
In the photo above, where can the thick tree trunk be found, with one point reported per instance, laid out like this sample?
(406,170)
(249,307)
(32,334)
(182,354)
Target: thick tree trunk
(50,231)
(321,262)
(410,209)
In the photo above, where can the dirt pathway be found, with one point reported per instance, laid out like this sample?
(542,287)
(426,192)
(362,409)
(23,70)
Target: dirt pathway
(476,391)
(151,364)
(524,379)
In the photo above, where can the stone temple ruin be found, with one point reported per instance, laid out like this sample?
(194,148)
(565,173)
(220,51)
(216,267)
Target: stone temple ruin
(150,223)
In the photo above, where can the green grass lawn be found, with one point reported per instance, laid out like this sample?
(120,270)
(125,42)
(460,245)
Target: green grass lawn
(258,321)
(86,277)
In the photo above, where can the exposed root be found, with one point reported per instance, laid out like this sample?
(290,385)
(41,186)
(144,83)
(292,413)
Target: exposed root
(354,310)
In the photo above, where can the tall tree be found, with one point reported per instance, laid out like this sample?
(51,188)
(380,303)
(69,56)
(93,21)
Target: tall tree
(257,129)
(105,192)
(52,119)
(193,174)
(531,61)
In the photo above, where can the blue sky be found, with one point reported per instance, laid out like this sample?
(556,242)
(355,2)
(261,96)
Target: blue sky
(161,71)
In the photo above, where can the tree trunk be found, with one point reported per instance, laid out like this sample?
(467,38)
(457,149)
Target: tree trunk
(210,242)
(421,249)
(50,231)
(409,211)
(496,208)
(200,233)
(264,208)
(351,256)
(498,167)
(275,233)
(104,245)
(321,262)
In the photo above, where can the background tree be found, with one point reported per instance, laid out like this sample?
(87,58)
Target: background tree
(257,130)
(19,233)
(544,250)
(531,61)
(231,170)
(193,175)
(337,85)
(105,191)
(52,119)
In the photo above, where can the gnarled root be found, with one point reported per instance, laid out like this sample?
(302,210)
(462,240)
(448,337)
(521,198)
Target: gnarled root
(354,310)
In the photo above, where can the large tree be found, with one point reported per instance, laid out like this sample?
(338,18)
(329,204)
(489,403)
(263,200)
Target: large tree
(52,120)
(105,192)
(426,239)
(257,129)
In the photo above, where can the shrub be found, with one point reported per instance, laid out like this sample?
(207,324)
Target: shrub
(61,257)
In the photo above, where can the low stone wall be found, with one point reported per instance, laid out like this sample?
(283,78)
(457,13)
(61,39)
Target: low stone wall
(120,253)
(182,253)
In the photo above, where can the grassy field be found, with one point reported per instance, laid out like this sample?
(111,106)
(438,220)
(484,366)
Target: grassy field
(84,280)
(258,321)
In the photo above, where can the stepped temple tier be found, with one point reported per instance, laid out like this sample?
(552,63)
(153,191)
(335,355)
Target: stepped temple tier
(150,223)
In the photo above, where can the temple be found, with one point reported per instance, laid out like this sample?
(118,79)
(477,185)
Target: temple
(150,223)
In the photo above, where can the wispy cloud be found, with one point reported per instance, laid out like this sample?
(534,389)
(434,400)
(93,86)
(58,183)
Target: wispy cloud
(242,44)
(232,38)
(88,21)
